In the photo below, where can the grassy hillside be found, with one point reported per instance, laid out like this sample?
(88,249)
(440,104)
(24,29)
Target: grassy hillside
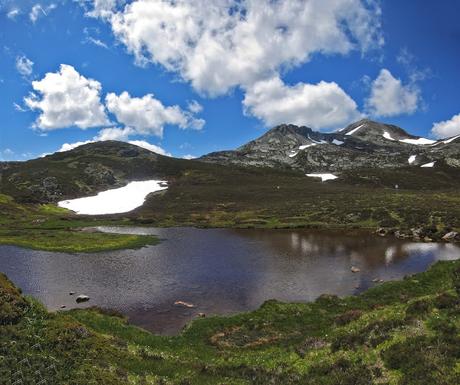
(404,332)
(205,194)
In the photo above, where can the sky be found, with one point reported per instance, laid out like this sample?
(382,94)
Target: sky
(188,77)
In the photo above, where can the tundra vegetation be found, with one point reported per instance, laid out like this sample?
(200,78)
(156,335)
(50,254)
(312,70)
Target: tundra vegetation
(405,332)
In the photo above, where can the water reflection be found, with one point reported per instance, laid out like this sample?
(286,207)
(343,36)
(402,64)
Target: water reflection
(221,271)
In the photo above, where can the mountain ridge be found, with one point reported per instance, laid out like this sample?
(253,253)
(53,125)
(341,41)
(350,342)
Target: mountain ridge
(362,144)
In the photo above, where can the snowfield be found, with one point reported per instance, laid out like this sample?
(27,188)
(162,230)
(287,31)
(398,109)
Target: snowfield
(115,201)
(304,146)
(431,164)
(324,177)
(387,135)
(419,141)
(337,142)
(412,159)
(354,130)
(450,140)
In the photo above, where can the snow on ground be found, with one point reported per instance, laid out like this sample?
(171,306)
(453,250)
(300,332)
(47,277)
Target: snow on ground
(293,154)
(431,164)
(304,146)
(451,139)
(317,142)
(354,130)
(324,177)
(419,141)
(119,200)
(412,159)
(337,142)
(387,135)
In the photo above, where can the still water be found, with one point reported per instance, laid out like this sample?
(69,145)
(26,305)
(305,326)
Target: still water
(220,271)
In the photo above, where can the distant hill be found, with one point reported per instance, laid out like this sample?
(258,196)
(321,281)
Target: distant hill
(364,144)
(84,171)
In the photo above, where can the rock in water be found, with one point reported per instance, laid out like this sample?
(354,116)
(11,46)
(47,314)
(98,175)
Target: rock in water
(183,303)
(82,298)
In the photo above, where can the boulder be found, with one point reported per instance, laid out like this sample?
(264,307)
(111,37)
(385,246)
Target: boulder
(82,298)
(451,236)
(382,232)
(355,269)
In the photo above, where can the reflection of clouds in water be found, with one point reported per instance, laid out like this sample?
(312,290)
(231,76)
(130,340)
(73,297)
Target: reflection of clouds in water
(390,253)
(220,270)
(443,251)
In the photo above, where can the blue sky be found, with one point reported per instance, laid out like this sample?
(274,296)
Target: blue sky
(190,77)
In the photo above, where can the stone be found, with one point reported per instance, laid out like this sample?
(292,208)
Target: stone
(382,232)
(451,236)
(82,298)
(185,304)
(355,269)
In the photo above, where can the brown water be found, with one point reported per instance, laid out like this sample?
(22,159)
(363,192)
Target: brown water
(221,271)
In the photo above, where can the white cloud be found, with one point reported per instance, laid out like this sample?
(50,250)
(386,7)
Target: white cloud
(147,115)
(115,133)
(447,128)
(24,65)
(139,143)
(65,99)
(389,97)
(38,11)
(320,106)
(223,44)
(194,107)
(189,156)
(71,146)
(150,147)
(13,13)
(97,42)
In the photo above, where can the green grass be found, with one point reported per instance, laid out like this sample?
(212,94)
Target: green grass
(398,333)
(48,227)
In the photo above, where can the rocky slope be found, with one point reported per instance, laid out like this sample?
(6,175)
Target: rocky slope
(364,144)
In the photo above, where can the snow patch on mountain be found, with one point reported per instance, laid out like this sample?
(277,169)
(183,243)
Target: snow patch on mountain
(387,135)
(419,141)
(324,177)
(354,130)
(115,201)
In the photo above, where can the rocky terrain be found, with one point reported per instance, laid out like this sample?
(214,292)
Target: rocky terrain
(364,144)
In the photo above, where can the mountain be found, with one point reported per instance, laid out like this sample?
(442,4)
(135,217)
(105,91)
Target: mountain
(364,144)
(205,193)
(84,171)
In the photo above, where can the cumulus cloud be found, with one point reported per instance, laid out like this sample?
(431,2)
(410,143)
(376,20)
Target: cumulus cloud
(24,65)
(223,44)
(150,147)
(147,115)
(66,98)
(71,146)
(447,128)
(115,133)
(139,143)
(321,106)
(390,97)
